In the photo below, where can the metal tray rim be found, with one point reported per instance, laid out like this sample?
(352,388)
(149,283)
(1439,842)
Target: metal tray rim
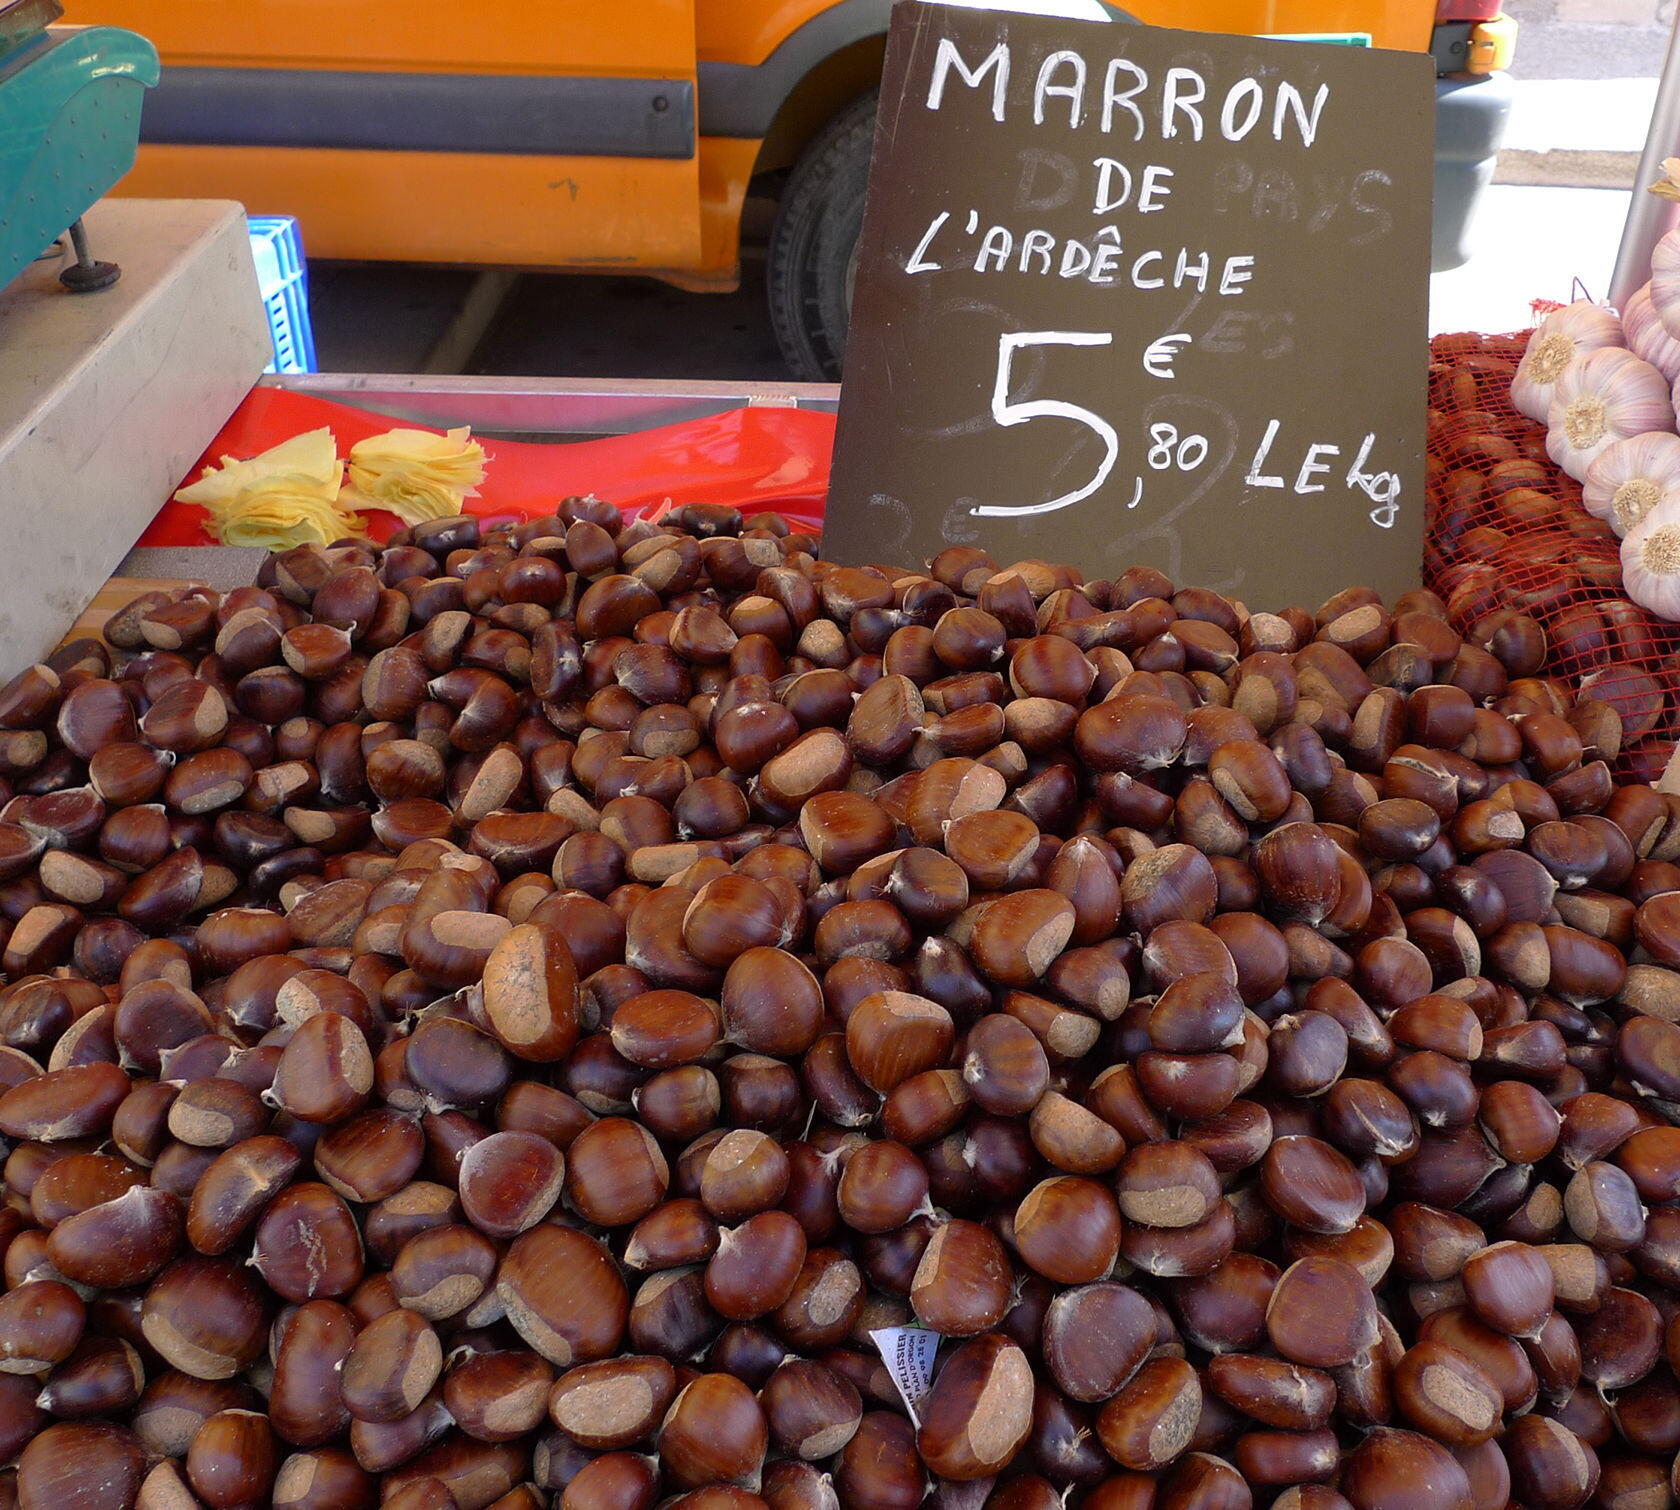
(554,407)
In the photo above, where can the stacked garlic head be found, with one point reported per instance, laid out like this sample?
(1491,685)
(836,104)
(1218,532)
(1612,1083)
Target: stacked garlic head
(1632,479)
(1651,564)
(1560,340)
(1665,282)
(1606,396)
(1646,337)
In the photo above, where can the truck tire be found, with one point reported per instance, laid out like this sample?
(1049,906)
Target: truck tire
(813,245)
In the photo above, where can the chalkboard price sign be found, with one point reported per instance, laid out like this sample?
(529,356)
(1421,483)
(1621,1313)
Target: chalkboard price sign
(1131,295)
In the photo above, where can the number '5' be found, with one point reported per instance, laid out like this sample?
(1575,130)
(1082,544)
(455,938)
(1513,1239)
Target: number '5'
(1007,413)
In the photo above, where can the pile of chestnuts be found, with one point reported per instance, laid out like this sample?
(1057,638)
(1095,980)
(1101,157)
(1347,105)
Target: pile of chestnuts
(528,1016)
(1507,528)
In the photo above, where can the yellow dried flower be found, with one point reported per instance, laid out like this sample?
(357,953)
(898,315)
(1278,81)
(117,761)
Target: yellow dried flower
(287,496)
(416,474)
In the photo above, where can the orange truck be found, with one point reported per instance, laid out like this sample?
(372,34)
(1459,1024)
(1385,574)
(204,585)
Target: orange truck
(628,135)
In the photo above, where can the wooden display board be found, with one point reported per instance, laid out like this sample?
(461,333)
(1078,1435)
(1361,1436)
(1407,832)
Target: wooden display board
(1134,295)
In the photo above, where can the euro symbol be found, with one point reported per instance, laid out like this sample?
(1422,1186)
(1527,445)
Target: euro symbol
(1158,357)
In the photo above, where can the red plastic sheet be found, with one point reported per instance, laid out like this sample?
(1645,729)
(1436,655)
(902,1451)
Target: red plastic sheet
(754,459)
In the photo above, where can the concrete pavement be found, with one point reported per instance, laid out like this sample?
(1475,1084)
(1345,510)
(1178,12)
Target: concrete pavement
(1586,74)
(1586,78)
(1530,243)
(1577,133)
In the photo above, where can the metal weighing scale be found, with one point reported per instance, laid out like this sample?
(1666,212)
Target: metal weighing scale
(70,102)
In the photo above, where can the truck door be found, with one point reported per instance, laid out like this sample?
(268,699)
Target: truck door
(521,132)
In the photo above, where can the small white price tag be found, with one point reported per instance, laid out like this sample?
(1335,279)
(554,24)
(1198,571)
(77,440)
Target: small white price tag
(908,1352)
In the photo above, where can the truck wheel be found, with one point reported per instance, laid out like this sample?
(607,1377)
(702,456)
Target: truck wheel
(813,246)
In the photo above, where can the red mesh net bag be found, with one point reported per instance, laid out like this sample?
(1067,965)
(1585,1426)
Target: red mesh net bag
(1506,534)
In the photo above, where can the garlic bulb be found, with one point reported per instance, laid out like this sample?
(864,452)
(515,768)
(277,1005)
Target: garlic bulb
(1606,396)
(1633,477)
(1665,282)
(1651,564)
(1647,339)
(1562,337)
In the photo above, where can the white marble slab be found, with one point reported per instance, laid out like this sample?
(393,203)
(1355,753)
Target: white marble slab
(107,399)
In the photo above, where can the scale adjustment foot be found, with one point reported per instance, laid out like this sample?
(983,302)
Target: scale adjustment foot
(86,275)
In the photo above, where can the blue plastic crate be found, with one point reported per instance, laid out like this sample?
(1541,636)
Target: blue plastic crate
(283,277)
